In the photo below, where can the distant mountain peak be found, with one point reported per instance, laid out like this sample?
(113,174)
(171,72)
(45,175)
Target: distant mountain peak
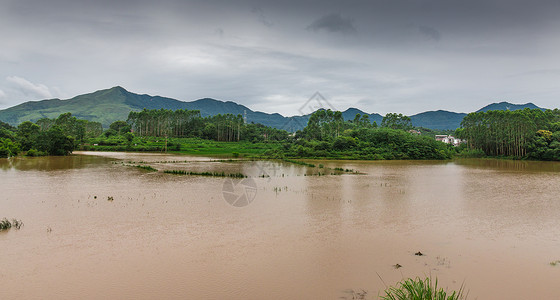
(504,105)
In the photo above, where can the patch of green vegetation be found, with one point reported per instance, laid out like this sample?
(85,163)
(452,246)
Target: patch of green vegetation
(420,289)
(35,153)
(210,174)
(147,168)
(298,162)
(555,263)
(5,224)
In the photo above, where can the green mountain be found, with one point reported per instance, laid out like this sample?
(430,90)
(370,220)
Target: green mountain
(107,106)
(440,119)
(508,106)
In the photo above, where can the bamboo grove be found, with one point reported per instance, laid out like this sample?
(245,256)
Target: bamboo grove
(530,133)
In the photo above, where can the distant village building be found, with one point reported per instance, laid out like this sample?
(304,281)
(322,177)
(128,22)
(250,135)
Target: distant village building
(449,139)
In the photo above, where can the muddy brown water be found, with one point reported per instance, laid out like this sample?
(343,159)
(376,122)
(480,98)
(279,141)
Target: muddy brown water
(491,225)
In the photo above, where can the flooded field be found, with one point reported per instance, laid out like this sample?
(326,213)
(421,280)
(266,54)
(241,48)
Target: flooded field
(97,227)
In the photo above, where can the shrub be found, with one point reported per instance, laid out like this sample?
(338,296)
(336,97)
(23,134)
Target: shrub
(418,289)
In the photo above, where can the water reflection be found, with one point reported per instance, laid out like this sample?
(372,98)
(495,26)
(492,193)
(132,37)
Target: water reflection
(51,163)
(510,165)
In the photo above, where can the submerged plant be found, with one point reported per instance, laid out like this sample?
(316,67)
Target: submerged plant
(147,168)
(5,224)
(211,174)
(418,289)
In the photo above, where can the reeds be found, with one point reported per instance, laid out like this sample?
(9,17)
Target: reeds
(418,289)
(147,168)
(210,174)
(5,224)
(298,162)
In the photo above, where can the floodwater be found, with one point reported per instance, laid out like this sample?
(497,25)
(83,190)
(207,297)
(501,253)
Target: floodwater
(98,228)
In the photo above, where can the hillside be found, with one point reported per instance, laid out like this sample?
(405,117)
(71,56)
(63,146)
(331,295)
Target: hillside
(439,119)
(107,106)
(508,106)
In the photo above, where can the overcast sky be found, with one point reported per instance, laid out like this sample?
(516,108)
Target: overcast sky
(380,56)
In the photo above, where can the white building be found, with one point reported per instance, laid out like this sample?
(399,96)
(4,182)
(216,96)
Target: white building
(449,139)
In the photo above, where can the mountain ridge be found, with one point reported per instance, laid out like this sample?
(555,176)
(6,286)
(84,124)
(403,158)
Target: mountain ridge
(109,105)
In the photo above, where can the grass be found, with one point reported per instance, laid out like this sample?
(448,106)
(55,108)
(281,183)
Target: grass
(211,174)
(190,146)
(420,289)
(299,162)
(5,224)
(555,263)
(147,168)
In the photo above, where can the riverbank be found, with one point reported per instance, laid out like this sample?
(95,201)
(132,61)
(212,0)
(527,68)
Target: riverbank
(344,148)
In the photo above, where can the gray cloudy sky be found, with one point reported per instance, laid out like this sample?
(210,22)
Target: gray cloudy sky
(380,56)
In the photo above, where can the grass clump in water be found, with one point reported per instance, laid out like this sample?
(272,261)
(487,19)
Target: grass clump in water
(418,289)
(555,263)
(5,224)
(210,174)
(147,168)
(298,162)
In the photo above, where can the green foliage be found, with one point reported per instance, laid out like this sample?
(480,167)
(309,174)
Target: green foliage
(396,121)
(299,162)
(471,153)
(210,174)
(418,289)
(188,123)
(326,136)
(527,133)
(147,168)
(34,153)
(110,132)
(342,143)
(8,148)
(6,134)
(120,127)
(55,142)
(324,125)
(7,126)
(5,224)
(27,134)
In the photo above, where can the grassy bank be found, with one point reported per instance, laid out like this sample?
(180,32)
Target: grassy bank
(190,146)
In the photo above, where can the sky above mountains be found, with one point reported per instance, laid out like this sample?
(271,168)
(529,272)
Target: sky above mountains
(380,56)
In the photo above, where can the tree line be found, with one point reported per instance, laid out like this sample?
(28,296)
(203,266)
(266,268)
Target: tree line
(189,123)
(327,134)
(46,136)
(527,133)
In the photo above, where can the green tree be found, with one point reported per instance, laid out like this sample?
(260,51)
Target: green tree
(396,121)
(27,134)
(55,142)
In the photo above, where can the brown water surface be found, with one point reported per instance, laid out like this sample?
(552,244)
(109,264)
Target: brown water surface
(492,225)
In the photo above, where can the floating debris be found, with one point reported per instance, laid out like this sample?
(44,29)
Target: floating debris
(397,266)
(419,253)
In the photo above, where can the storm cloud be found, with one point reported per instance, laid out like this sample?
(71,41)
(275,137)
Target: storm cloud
(272,56)
(333,23)
(430,32)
